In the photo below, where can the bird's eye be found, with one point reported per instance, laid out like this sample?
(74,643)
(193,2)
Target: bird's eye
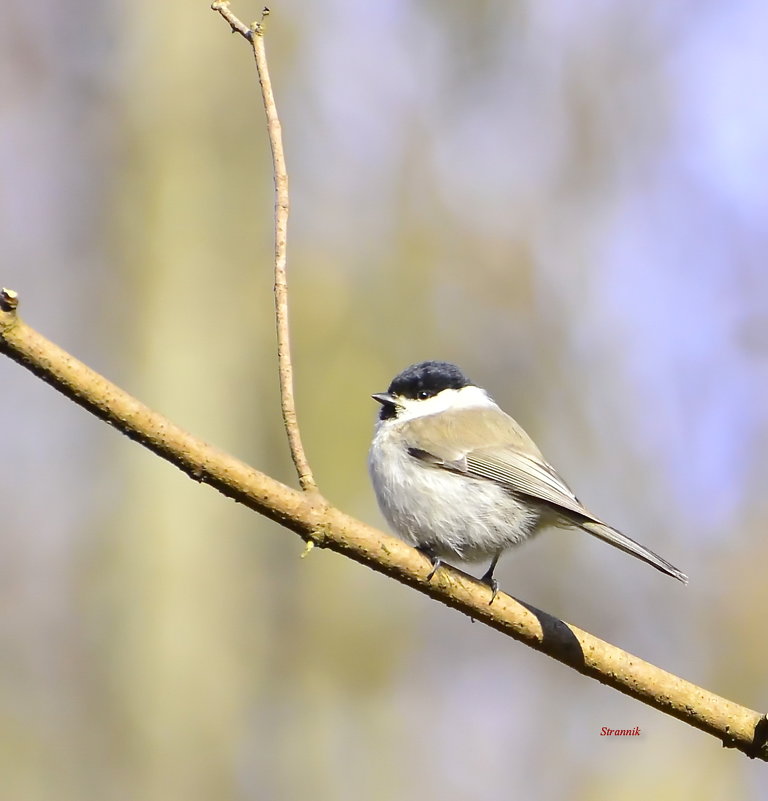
(423,394)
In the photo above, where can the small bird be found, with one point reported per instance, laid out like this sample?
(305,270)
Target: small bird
(458,478)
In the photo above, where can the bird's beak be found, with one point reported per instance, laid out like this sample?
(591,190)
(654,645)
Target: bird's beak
(385,398)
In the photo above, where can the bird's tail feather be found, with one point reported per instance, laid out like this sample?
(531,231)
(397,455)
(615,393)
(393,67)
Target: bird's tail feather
(624,543)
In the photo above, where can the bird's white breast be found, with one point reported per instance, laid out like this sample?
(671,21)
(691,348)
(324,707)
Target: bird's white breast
(454,515)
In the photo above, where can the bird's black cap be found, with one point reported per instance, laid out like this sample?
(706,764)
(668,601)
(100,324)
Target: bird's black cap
(425,379)
(419,382)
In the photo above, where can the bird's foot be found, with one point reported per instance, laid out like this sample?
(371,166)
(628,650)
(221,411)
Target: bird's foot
(494,585)
(488,579)
(436,561)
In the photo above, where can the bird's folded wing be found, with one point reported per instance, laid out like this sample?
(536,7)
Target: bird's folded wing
(524,474)
(488,444)
(517,472)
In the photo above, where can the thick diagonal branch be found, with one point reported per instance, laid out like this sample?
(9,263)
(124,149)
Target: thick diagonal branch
(315,521)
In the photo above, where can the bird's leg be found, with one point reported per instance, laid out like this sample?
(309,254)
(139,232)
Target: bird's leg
(490,580)
(429,552)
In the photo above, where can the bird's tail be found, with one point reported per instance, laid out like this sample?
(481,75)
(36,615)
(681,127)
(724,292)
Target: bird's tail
(624,543)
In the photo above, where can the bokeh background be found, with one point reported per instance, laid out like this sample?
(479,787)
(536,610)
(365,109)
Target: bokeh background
(570,200)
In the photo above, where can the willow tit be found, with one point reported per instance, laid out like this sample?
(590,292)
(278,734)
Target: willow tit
(458,478)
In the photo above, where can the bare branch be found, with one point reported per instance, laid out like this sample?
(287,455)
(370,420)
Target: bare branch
(315,521)
(255,35)
(237,26)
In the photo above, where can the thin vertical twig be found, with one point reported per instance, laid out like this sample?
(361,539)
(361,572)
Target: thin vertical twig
(255,35)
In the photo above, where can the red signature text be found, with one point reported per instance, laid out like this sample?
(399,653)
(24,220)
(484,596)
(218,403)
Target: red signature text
(606,732)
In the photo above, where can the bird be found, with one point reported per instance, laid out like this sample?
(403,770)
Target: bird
(458,478)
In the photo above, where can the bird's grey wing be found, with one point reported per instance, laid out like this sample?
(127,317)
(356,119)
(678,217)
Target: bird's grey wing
(492,446)
(522,475)
(526,475)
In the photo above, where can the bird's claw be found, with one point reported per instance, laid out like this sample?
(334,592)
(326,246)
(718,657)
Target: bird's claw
(436,561)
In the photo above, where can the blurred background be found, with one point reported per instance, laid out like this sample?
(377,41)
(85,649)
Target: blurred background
(568,200)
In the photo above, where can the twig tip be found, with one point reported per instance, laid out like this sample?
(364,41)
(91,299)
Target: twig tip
(307,549)
(258,27)
(9,299)
(222,7)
